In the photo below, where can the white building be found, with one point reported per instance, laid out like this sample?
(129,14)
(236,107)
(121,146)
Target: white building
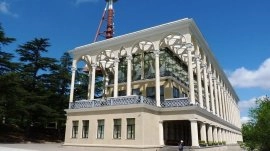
(161,85)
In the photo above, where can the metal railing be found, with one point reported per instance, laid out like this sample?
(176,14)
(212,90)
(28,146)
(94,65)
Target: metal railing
(127,100)
(175,102)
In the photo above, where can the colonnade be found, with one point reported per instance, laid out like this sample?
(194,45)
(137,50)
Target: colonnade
(215,133)
(215,96)
(214,92)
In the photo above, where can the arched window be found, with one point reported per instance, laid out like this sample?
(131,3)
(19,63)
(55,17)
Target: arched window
(137,67)
(122,70)
(149,65)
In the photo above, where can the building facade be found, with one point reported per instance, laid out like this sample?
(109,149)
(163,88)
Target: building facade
(157,86)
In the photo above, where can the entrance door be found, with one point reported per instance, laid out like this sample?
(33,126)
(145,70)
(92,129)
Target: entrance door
(174,131)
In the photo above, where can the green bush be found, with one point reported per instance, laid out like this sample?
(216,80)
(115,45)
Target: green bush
(210,143)
(202,143)
(224,142)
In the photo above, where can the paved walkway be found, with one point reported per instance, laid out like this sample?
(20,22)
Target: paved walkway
(39,147)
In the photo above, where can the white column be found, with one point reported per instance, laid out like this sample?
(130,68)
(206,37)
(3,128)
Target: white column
(225,136)
(92,94)
(161,133)
(230,137)
(211,90)
(203,131)
(194,133)
(222,134)
(227,105)
(73,69)
(129,64)
(157,76)
(210,133)
(222,101)
(230,109)
(190,77)
(219,98)
(206,84)
(89,84)
(115,87)
(216,95)
(219,134)
(215,134)
(233,112)
(199,80)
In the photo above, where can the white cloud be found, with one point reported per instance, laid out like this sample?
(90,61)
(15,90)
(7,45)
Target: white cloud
(4,9)
(244,119)
(245,78)
(85,1)
(247,104)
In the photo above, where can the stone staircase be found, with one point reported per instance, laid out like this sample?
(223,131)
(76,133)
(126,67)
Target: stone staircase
(169,148)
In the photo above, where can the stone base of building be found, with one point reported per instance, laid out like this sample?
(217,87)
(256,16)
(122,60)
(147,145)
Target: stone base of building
(234,147)
(113,148)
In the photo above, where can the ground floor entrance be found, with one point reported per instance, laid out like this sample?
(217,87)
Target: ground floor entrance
(174,131)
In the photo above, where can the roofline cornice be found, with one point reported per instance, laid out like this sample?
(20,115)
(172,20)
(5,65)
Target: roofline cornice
(132,36)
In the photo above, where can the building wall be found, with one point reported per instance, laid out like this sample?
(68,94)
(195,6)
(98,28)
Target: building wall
(146,128)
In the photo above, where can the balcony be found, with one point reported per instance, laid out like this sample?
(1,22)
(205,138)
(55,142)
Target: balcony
(128,100)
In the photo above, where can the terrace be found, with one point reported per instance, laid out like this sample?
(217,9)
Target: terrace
(127,100)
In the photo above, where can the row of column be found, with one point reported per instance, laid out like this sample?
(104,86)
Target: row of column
(129,77)
(212,133)
(216,95)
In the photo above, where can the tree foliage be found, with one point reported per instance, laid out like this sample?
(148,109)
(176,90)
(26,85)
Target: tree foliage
(256,131)
(33,91)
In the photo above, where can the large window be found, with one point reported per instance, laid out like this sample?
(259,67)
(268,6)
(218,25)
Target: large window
(136,91)
(122,70)
(137,67)
(176,93)
(100,129)
(131,128)
(151,93)
(75,125)
(149,65)
(171,65)
(117,129)
(85,129)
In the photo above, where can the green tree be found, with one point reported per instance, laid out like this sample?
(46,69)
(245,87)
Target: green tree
(59,87)
(11,106)
(34,73)
(6,64)
(256,131)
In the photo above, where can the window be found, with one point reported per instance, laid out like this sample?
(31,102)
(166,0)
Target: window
(184,94)
(75,125)
(149,70)
(176,93)
(131,128)
(85,129)
(137,67)
(117,129)
(151,93)
(122,93)
(100,130)
(136,91)
(122,70)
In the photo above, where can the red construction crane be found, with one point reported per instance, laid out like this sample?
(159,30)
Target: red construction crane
(107,15)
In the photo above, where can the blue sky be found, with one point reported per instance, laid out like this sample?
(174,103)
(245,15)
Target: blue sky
(237,31)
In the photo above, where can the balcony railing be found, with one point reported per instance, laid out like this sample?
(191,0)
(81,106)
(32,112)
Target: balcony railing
(175,102)
(127,100)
